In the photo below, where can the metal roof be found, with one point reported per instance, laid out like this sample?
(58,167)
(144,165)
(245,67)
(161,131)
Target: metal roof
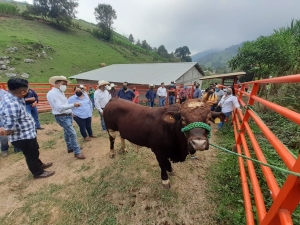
(222,75)
(147,73)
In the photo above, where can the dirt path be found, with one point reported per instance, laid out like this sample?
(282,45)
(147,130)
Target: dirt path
(190,187)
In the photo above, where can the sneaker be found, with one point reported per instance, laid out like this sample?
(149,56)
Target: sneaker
(4,154)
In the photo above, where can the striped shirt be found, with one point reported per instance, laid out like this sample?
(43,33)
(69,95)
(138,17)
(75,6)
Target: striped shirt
(14,117)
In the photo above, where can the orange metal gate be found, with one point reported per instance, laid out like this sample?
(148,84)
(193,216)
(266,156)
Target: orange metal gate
(285,198)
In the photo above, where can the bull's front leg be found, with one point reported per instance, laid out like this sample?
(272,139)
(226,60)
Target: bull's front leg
(123,146)
(112,137)
(165,166)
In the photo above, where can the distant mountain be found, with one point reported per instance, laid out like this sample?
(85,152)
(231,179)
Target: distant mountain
(199,55)
(216,60)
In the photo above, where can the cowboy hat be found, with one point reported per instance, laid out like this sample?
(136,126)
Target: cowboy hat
(82,86)
(151,85)
(53,79)
(102,82)
(113,85)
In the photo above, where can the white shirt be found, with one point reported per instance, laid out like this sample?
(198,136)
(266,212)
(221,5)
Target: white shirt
(227,103)
(162,92)
(101,98)
(59,102)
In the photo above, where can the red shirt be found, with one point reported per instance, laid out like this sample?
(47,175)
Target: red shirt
(136,97)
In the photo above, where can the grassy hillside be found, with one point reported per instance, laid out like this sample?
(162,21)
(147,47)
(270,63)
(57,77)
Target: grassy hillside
(216,60)
(70,52)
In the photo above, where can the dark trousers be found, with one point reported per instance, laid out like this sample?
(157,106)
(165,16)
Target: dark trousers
(30,149)
(84,125)
(182,100)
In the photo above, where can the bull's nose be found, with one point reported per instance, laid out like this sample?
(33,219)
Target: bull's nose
(199,145)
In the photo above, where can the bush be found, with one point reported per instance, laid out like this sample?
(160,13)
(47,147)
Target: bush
(6,8)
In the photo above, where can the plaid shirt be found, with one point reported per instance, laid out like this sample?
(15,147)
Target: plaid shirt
(14,117)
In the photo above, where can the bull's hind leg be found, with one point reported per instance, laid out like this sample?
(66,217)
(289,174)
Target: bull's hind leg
(112,137)
(123,147)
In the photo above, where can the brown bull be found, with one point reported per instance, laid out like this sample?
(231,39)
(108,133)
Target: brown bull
(161,129)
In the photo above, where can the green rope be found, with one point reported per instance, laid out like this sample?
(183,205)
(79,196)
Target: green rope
(257,161)
(197,125)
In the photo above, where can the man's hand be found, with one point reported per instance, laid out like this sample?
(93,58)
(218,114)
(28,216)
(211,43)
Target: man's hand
(77,104)
(34,104)
(5,132)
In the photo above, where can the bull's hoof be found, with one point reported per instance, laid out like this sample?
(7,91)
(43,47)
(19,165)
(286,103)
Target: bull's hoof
(172,173)
(111,155)
(166,184)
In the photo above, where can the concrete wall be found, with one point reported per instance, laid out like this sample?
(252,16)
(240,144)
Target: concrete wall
(190,76)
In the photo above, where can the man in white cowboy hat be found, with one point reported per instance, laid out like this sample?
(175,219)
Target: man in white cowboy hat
(151,95)
(62,111)
(113,92)
(102,97)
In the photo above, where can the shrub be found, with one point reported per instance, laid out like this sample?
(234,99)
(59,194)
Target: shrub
(6,8)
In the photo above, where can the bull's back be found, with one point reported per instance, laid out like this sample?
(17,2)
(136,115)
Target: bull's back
(134,122)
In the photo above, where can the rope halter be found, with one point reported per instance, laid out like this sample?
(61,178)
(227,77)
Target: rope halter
(197,125)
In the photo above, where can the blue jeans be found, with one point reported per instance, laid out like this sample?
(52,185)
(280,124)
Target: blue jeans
(102,122)
(93,102)
(69,133)
(34,113)
(221,124)
(151,103)
(162,101)
(4,143)
(171,100)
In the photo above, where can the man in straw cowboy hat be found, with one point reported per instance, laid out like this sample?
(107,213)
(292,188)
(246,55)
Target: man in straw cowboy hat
(62,111)
(151,95)
(102,97)
(113,92)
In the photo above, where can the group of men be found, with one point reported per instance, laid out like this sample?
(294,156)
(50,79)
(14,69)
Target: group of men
(19,118)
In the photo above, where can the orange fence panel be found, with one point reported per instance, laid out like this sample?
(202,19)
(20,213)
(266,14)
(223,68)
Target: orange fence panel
(286,198)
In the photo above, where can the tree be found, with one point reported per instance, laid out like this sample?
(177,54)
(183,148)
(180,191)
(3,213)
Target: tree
(138,43)
(146,46)
(131,39)
(162,51)
(106,15)
(183,53)
(61,11)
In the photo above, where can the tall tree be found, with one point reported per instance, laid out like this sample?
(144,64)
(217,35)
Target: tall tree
(183,53)
(61,11)
(131,39)
(106,15)
(138,43)
(146,46)
(162,51)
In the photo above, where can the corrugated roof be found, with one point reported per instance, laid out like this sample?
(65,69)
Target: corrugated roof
(222,75)
(148,73)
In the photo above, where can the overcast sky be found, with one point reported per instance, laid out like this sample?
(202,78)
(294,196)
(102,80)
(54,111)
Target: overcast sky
(198,24)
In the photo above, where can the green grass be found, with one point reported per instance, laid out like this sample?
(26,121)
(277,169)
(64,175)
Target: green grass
(72,51)
(225,178)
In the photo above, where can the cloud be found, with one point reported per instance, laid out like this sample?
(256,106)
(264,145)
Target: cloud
(198,24)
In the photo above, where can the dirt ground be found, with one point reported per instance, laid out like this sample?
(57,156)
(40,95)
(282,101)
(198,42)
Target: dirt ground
(189,188)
